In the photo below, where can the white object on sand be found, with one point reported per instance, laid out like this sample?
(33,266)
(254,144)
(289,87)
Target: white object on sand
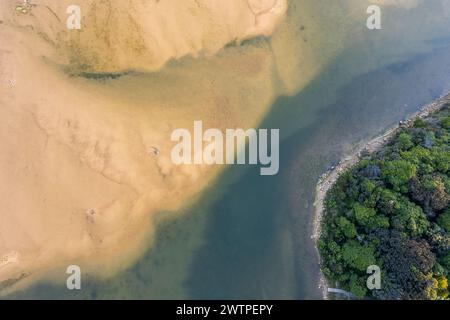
(11,257)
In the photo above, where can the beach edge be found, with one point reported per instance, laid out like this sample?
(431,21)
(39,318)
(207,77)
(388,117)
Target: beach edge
(363,148)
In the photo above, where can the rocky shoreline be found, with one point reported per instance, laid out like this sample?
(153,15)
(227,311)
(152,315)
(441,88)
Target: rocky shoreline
(360,150)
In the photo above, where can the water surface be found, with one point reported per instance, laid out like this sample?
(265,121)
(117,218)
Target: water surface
(248,237)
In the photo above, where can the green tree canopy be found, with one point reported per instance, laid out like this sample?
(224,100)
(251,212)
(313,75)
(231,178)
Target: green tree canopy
(367,217)
(398,173)
(444,220)
(358,256)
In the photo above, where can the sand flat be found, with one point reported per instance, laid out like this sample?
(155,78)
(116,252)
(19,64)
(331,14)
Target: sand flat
(79,183)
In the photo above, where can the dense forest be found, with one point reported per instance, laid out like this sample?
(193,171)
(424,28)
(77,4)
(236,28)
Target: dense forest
(392,210)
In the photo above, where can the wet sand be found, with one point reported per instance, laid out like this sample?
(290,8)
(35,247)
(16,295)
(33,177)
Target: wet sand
(82,185)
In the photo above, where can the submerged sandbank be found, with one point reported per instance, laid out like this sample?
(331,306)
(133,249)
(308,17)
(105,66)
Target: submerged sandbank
(81,183)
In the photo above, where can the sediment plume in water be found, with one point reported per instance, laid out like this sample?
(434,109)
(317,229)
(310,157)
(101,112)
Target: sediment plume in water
(82,111)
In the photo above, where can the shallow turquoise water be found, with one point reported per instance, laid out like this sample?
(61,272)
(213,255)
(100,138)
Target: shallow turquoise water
(249,238)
